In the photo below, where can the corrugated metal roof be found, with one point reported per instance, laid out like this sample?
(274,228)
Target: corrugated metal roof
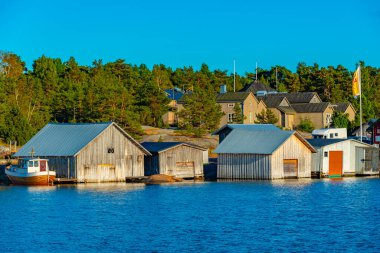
(156,147)
(57,139)
(297,97)
(66,139)
(252,142)
(342,107)
(286,109)
(232,97)
(249,127)
(257,86)
(272,102)
(311,107)
(317,143)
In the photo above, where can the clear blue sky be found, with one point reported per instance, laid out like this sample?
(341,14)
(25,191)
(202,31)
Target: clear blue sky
(182,33)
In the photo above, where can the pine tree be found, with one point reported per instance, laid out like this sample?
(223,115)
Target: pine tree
(238,117)
(201,113)
(266,117)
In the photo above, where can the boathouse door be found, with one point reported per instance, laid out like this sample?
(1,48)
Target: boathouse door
(335,163)
(290,168)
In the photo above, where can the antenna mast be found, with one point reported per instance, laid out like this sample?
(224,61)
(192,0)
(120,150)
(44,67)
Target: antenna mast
(234,76)
(256,71)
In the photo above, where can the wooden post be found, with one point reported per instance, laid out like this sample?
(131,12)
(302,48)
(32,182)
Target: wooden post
(68,167)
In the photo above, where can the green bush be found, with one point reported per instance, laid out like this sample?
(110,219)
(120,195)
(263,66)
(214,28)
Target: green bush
(305,126)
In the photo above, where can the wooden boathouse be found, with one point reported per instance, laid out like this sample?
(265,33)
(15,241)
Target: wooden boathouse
(179,159)
(246,153)
(88,152)
(344,157)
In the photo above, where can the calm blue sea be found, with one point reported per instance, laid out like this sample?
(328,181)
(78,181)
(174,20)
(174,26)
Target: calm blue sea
(296,216)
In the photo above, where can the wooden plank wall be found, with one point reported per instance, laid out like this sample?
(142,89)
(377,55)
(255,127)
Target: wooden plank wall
(244,166)
(63,166)
(293,148)
(169,158)
(95,164)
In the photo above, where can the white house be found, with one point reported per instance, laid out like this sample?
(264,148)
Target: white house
(343,157)
(330,133)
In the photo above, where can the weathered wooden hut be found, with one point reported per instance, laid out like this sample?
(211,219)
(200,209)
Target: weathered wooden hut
(272,154)
(90,152)
(180,159)
(343,157)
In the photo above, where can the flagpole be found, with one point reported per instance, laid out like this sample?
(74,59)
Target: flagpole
(360,90)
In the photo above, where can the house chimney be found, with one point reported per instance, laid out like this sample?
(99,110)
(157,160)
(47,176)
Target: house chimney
(223,89)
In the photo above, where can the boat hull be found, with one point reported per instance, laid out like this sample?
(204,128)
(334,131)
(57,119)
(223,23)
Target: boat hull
(42,179)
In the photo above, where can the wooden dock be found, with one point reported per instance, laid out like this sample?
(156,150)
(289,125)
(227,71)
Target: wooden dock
(141,179)
(65,181)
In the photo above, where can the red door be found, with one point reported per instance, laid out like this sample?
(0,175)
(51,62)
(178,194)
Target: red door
(335,163)
(42,165)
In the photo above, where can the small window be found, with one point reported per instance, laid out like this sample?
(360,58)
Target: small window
(326,154)
(230,117)
(35,163)
(336,134)
(231,105)
(111,150)
(331,136)
(30,164)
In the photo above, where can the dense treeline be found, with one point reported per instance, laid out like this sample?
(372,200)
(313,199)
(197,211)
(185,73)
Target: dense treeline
(133,95)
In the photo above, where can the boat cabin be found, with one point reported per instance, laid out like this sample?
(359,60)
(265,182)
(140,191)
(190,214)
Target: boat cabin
(31,165)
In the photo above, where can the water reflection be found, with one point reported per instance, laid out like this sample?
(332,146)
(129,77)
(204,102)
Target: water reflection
(106,187)
(39,188)
(299,183)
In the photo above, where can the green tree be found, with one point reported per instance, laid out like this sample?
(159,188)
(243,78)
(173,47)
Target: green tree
(266,117)
(238,117)
(201,113)
(16,127)
(340,120)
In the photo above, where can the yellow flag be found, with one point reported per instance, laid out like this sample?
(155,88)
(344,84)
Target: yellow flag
(356,83)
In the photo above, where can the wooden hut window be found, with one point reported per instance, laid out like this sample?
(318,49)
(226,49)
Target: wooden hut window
(139,158)
(326,154)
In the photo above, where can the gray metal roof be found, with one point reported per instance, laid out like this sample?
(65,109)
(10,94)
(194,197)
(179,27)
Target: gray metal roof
(311,107)
(297,97)
(156,147)
(256,86)
(318,143)
(57,139)
(252,142)
(232,97)
(66,139)
(248,127)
